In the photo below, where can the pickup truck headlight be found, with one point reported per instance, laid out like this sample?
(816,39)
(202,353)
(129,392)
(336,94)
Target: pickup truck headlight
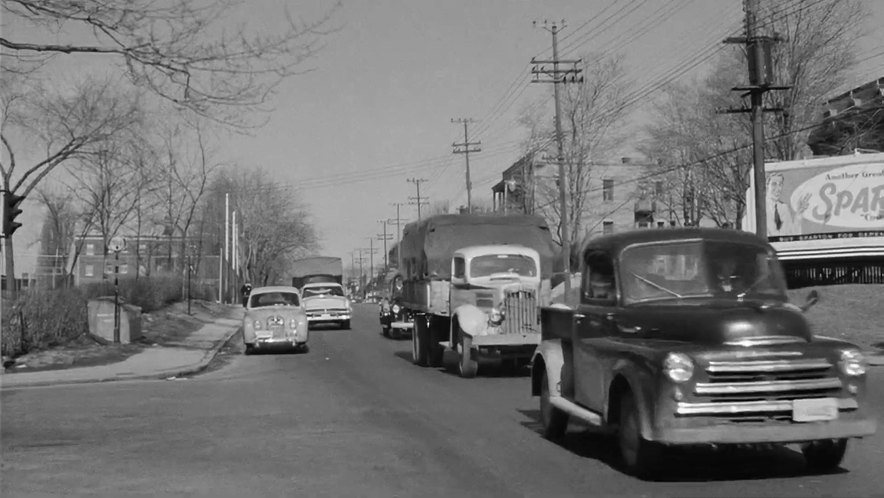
(257,324)
(852,363)
(678,367)
(396,308)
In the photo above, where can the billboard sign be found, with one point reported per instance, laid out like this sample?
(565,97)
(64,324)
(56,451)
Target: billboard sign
(826,207)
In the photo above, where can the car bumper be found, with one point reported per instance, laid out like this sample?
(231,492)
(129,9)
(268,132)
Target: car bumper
(774,433)
(328,318)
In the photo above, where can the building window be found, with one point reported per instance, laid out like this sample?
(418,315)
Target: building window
(608,227)
(89,271)
(124,268)
(658,189)
(607,190)
(90,249)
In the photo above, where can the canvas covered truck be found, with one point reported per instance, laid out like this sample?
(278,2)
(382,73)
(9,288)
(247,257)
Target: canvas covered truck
(686,337)
(323,269)
(473,284)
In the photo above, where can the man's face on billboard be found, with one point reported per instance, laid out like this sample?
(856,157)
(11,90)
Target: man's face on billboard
(774,187)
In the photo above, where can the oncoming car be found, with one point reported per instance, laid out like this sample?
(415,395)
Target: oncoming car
(274,317)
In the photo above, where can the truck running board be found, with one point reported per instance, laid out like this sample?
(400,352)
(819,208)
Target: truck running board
(576,410)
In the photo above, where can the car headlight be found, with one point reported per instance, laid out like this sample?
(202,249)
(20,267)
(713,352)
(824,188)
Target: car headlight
(852,363)
(396,308)
(257,324)
(678,367)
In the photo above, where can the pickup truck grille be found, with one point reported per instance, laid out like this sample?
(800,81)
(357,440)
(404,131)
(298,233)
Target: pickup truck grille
(520,312)
(762,390)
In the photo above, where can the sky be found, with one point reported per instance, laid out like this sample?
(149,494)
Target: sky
(377,105)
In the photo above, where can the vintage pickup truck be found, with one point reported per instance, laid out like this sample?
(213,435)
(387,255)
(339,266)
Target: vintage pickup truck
(686,337)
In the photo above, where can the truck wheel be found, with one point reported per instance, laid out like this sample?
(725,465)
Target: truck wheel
(419,343)
(639,457)
(553,420)
(468,366)
(435,352)
(824,455)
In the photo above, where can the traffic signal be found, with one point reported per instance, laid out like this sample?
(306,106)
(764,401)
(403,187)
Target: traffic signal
(11,210)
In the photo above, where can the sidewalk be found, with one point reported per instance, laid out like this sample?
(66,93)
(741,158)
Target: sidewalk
(159,362)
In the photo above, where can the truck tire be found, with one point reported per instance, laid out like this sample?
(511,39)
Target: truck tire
(419,342)
(467,367)
(553,420)
(824,455)
(638,456)
(435,352)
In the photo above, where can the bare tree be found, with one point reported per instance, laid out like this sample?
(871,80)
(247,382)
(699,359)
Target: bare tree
(593,112)
(64,126)
(191,53)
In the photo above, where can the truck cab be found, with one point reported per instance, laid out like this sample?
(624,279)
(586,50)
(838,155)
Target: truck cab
(686,337)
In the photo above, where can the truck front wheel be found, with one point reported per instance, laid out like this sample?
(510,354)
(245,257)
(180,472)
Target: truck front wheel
(553,420)
(824,455)
(468,366)
(639,457)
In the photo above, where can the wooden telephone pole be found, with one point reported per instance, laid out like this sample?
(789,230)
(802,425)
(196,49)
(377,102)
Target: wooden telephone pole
(758,53)
(557,76)
(465,148)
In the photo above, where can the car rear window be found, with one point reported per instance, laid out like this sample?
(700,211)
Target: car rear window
(274,299)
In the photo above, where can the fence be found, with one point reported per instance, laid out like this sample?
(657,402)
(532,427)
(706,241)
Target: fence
(833,272)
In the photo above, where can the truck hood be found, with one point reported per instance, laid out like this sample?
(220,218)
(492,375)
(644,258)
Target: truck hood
(325,302)
(716,322)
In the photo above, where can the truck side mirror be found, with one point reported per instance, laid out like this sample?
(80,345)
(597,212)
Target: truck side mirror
(812,298)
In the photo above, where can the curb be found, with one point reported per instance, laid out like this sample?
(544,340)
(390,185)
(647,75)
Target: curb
(159,375)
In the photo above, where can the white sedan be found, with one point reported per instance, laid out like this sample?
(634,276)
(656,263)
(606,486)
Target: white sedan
(275,316)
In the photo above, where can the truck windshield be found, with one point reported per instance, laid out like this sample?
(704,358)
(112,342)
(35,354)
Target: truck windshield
(326,290)
(695,269)
(490,265)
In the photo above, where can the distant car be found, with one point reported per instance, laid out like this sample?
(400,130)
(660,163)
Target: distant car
(326,303)
(275,316)
(395,319)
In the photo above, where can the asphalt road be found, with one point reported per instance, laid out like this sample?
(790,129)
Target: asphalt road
(354,417)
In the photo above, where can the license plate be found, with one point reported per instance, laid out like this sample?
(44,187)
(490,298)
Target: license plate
(814,410)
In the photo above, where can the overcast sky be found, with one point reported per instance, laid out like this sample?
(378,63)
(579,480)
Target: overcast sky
(376,108)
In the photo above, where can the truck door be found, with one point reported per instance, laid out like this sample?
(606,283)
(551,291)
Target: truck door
(593,328)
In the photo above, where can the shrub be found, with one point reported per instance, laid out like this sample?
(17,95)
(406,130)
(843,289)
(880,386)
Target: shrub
(150,293)
(43,319)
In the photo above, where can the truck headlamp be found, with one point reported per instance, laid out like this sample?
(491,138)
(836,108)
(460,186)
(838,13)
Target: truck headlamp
(852,363)
(496,316)
(678,367)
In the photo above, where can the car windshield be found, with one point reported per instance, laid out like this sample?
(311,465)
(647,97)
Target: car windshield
(505,265)
(263,299)
(694,269)
(326,290)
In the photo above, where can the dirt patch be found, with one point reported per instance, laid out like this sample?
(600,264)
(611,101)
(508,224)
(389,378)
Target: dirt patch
(170,326)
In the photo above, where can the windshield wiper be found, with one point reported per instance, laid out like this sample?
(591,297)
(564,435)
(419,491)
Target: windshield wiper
(752,286)
(655,285)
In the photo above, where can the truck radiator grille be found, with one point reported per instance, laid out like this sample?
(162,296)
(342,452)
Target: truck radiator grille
(760,391)
(520,312)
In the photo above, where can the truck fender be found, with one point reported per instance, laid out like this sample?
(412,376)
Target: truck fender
(472,320)
(633,377)
(553,357)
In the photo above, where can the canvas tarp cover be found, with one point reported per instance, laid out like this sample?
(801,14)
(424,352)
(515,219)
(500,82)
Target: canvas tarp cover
(428,245)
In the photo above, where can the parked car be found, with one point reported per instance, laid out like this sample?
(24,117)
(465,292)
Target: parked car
(275,317)
(325,302)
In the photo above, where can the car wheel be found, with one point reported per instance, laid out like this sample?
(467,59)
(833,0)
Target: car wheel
(468,367)
(638,456)
(824,455)
(250,349)
(553,420)
(345,325)
(385,331)
(395,334)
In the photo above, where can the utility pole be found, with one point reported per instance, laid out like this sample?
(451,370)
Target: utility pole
(465,148)
(418,200)
(398,236)
(557,76)
(385,237)
(226,279)
(758,52)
